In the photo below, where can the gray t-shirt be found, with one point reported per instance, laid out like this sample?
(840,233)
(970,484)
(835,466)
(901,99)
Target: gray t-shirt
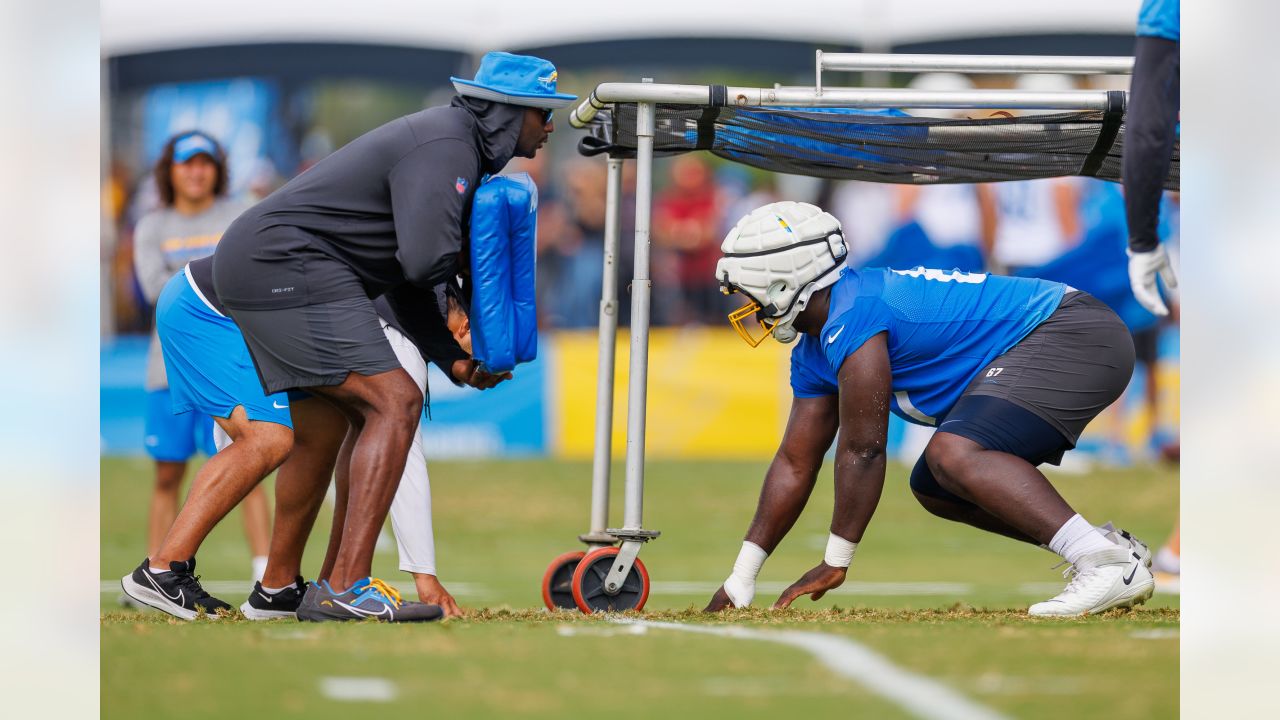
(163,243)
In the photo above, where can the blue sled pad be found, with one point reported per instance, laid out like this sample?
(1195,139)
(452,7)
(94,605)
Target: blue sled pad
(504,316)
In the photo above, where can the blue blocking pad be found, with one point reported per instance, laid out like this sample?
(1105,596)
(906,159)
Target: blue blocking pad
(504,316)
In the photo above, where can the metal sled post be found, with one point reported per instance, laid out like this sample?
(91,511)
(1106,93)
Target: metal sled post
(632,533)
(600,468)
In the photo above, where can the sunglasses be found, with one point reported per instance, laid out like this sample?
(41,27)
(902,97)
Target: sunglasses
(546,116)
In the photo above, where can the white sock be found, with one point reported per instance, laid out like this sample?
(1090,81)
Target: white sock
(741,585)
(259,567)
(273,591)
(1077,538)
(157,571)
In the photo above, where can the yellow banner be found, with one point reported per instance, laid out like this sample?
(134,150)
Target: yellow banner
(710,395)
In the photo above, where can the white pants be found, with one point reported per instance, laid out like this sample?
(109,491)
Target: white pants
(411,508)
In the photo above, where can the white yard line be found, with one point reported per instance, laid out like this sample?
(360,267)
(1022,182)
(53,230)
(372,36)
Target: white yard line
(917,694)
(1155,634)
(358,689)
(854,587)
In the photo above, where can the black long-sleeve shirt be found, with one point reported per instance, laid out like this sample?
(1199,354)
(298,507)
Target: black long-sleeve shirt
(390,207)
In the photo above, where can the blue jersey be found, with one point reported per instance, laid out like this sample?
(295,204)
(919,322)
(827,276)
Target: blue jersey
(943,327)
(1160,18)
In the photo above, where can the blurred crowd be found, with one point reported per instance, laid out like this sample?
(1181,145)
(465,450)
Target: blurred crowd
(1036,227)
(1068,229)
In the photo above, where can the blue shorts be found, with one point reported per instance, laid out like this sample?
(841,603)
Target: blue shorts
(175,438)
(208,364)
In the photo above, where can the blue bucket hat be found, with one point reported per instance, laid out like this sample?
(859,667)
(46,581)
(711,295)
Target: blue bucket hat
(516,80)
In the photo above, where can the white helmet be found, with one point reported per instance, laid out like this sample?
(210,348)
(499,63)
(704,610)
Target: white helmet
(778,256)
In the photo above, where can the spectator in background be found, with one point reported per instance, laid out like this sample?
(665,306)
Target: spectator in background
(947,215)
(582,270)
(686,237)
(191,179)
(742,191)
(868,212)
(1027,223)
(554,242)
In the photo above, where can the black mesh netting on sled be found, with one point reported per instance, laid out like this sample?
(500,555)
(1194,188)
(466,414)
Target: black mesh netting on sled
(880,146)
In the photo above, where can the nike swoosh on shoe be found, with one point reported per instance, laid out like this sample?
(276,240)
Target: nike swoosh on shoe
(1132,571)
(384,611)
(178,598)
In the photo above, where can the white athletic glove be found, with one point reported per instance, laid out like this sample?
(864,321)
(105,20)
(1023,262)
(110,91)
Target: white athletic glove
(1143,268)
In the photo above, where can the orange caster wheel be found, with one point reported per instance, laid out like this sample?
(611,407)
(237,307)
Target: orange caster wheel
(557,581)
(590,594)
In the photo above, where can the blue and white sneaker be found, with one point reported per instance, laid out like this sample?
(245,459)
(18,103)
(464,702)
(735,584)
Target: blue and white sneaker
(368,598)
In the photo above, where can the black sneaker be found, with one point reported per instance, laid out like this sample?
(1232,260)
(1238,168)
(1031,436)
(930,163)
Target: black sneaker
(177,592)
(368,598)
(265,606)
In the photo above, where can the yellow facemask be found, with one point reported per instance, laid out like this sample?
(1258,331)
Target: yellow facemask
(738,317)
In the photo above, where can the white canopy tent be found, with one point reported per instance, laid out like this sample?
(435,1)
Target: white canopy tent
(136,26)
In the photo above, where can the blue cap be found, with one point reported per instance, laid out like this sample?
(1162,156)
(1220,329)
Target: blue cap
(193,144)
(516,80)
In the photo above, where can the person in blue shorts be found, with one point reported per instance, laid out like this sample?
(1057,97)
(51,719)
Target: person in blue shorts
(210,372)
(1008,370)
(191,178)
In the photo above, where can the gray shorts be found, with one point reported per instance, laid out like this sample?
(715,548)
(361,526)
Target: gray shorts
(315,345)
(1067,370)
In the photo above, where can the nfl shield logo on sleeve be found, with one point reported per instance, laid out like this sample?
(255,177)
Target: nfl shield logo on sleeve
(460,185)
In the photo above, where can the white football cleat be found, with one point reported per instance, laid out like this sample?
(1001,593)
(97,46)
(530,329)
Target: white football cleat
(1125,540)
(1116,577)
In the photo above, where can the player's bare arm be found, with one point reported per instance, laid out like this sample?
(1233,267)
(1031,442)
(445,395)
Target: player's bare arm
(865,384)
(811,427)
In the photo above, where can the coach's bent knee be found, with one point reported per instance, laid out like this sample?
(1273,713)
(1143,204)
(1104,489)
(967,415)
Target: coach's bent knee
(392,394)
(400,399)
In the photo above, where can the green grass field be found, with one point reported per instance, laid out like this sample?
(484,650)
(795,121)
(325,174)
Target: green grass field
(937,600)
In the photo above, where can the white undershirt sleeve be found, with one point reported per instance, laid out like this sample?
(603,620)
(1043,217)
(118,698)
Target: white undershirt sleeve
(411,508)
